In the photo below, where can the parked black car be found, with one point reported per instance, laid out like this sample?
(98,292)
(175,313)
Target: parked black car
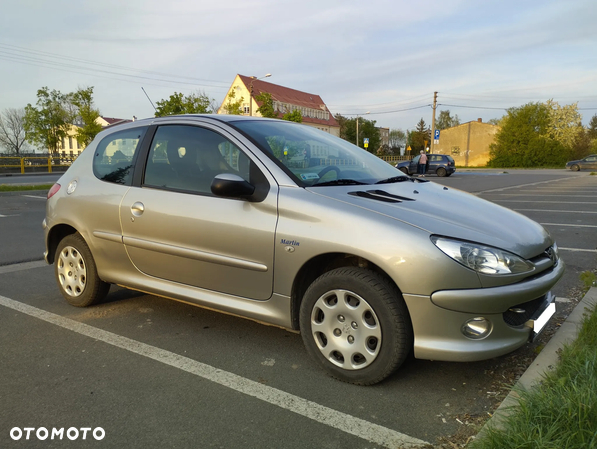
(589,162)
(439,164)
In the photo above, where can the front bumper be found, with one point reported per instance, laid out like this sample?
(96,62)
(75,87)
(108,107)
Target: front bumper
(517,313)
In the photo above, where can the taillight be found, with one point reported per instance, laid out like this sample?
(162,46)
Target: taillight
(55,188)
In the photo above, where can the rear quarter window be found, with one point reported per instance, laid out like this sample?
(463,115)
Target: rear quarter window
(115,154)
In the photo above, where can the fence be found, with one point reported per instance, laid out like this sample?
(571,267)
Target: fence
(35,164)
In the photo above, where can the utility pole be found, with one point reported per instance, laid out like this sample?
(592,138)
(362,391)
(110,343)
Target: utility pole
(433,122)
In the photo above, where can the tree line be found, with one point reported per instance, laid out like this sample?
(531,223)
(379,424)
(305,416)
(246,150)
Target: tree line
(532,135)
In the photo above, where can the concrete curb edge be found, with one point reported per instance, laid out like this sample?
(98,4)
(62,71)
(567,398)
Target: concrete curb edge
(545,361)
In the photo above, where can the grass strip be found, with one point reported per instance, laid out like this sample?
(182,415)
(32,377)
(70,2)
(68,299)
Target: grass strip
(560,412)
(17,188)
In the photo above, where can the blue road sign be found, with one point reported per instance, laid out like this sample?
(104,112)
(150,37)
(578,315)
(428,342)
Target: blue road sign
(436,136)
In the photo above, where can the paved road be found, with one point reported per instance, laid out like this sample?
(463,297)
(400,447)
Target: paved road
(30,179)
(157,373)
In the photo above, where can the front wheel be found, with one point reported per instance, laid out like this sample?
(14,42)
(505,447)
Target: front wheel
(403,170)
(76,273)
(355,324)
(575,168)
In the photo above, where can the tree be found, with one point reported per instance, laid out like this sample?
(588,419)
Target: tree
(526,139)
(294,116)
(85,115)
(420,137)
(397,139)
(342,123)
(12,130)
(367,130)
(565,123)
(267,105)
(194,103)
(445,120)
(48,123)
(233,106)
(592,130)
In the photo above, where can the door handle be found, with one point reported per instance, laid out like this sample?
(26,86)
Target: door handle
(137,209)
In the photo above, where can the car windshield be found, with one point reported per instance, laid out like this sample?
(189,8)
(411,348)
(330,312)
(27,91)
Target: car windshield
(314,157)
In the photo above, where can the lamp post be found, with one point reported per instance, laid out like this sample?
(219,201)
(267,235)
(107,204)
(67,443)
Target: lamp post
(253,78)
(358,127)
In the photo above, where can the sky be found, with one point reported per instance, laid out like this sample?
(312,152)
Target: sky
(382,59)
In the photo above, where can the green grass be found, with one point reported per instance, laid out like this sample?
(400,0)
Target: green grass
(561,412)
(15,188)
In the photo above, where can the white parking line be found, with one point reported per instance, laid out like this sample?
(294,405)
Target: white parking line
(571,225)
(578,250)
(562,211)
(366,430)
(534,195)
(548,202)
(35,196)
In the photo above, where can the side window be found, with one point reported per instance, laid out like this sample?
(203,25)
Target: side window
(113,159)
(189,157)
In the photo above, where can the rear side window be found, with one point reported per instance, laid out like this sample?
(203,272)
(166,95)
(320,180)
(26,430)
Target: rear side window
(114,156)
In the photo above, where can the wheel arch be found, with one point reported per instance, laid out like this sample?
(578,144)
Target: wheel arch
(56,234)
(321,264)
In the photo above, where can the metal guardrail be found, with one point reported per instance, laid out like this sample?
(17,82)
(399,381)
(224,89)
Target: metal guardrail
(35,164)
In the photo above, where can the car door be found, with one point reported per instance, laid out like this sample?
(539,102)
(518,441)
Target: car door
(413,166)
(590,162)
(175,229)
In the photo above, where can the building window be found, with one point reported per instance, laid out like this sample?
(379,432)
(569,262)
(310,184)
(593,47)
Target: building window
(70,143)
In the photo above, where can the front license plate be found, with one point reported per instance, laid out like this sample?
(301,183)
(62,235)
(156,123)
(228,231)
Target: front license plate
(542,320)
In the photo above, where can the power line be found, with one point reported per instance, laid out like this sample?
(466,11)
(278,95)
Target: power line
(390,112)
(14,50)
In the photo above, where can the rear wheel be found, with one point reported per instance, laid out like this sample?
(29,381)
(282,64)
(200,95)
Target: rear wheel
(441,172)
(355,324)
(76,273)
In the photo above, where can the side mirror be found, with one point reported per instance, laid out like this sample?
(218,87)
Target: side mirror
(229,185)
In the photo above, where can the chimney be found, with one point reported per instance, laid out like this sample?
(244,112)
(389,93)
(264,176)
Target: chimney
(480,120)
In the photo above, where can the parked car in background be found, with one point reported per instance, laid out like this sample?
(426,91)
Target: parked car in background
(288,225)
(438,164)
(589,162)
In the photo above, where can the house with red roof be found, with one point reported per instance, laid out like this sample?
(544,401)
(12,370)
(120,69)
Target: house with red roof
(314,111)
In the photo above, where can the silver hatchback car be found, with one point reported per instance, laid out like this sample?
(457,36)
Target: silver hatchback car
(288,225)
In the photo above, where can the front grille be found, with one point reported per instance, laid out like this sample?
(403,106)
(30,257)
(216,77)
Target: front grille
(516,319)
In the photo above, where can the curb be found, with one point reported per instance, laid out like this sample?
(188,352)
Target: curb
(546,360)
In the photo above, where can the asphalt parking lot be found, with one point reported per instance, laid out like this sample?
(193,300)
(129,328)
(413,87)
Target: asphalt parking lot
(157,373)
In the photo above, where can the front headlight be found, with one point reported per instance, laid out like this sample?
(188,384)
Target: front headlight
(484,259)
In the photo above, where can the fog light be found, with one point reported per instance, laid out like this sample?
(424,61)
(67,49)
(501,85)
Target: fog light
(477,328)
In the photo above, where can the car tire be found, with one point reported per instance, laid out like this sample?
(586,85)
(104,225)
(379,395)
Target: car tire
(76,273)
(355,324)
(403,170)
(575,168)
(441,172)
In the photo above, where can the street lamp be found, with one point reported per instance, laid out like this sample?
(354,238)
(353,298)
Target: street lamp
(358,127)
(254,78)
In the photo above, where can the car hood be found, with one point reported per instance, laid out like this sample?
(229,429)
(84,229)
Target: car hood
(448,212)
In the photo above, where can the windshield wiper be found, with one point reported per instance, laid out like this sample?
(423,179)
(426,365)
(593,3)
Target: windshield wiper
(394,179)
(340,182)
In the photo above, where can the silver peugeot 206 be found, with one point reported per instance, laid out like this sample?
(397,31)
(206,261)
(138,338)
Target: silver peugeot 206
(288,225)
